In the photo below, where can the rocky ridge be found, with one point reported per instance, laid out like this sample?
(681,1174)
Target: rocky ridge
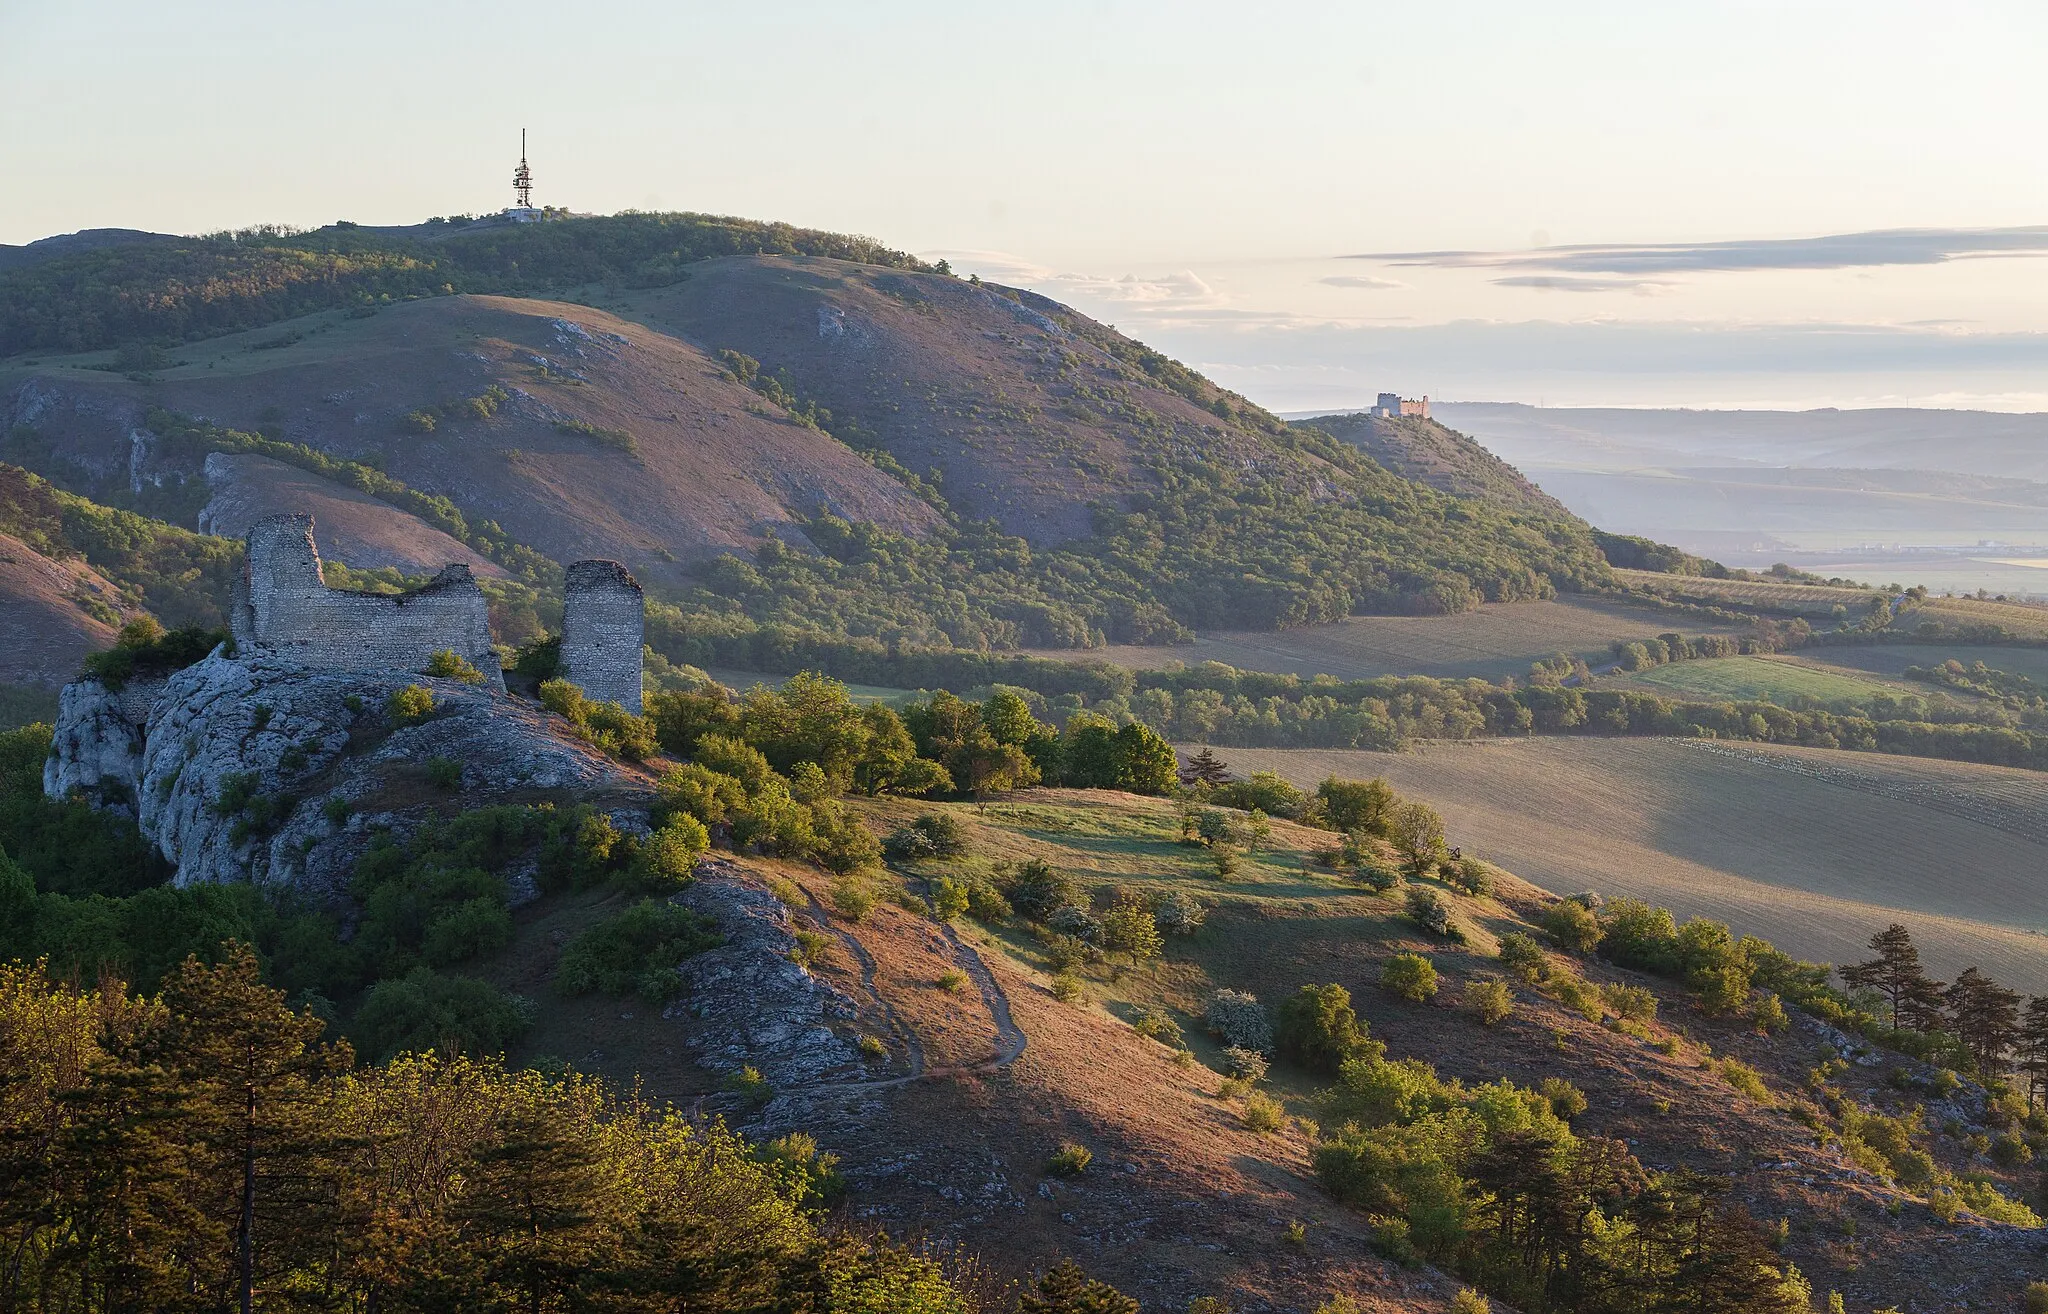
(260,770)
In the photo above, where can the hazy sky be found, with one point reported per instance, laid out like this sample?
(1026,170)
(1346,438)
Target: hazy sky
(1203,175)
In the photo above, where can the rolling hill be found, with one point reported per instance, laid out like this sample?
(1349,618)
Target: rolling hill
(952,462)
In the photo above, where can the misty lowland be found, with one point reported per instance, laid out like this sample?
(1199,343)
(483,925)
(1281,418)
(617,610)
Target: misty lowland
(672,762)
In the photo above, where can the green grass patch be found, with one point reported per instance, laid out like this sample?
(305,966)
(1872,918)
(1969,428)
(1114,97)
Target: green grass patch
(1767,679)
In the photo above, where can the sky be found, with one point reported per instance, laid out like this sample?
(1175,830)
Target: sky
(1796,203)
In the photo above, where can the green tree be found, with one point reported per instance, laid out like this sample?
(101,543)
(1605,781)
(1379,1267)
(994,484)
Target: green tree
(1316,1028)
(1130,927)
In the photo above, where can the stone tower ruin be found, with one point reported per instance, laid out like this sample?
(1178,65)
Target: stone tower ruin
(604,624)
(283,606)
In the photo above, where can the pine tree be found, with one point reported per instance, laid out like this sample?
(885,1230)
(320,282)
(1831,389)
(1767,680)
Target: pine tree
(1205,768)
(2033,1048)
(1895,973)
(1985,1017)
(257,1076)
(1068,1290)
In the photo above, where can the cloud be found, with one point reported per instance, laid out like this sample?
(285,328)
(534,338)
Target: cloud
(1642,287)
(1183,289)
(1894,246)
(1355,280)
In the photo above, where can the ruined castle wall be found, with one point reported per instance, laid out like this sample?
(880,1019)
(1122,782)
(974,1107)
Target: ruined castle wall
(282,605)
(604,625)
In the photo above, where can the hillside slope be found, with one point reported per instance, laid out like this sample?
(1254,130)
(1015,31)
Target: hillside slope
(52,613)
(611,440)
(1437,455)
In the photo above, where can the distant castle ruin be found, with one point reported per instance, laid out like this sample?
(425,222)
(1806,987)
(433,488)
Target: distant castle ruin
(1392,405)
(282,605)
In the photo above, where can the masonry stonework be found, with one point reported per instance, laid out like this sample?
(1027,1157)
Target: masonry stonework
(604,624)
(283,606)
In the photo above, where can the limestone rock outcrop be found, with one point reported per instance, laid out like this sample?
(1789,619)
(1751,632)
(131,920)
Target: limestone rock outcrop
(260,769)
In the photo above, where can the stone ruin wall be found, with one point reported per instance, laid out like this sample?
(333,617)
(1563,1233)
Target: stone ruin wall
(284,606)
(604,624)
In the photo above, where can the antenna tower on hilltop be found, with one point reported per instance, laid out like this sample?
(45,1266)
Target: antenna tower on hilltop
(522,177)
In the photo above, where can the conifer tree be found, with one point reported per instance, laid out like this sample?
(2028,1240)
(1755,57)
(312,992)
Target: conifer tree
(1066,1289)
(1205,768)
(2033,1048)
(1895,973)
(1985,1016)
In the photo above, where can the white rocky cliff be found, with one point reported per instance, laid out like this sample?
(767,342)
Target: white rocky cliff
(279,761)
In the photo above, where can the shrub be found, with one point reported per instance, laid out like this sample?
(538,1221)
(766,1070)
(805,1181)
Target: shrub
(952,981)
(709,796)
(811,948)
(1264,791)
(635,951)
(1350,805)
(607,726)
(1036,890)
(1571,926)
(1634,1003)
(1409,976)
(410,705)
(986,904)
(1769,1015)
(424,1010)
(1064,953)
(1070,1160)
(472,927)
(1180,913)
(1224,861)
(448,664)
(852,899)
(1573,992)
(1315,1028)
(1238,1021)
(2036,1300)
(947,837)
(949,898)
(1262,1113)
(1129,927)
(1247,1065)
(1469,875)
(1375,874)
(1523,957)
(1066,987)
(1468,1301)
(1744,1078)
(1157,1024)
(1566,1100)
(667,859)
(1490,1001)
(872,1046)
(750,1085)
(1428,910)
(444,773)
(337,810)
(1076,923)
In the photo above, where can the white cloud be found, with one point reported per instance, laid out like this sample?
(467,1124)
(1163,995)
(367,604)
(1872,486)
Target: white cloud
(1354,280)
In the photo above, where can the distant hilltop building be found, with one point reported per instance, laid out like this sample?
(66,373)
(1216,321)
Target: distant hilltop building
(1393,405)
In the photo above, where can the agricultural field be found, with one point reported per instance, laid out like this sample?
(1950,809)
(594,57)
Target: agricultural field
(1810,848)
(1891,659)
(1772,679)
(2028,620)
(1499,639)
(1803,599)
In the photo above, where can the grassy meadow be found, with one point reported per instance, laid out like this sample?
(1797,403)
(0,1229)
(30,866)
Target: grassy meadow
(1809,848)
(1774,679)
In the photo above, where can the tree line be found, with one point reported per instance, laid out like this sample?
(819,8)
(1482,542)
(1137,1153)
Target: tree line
(204,1148)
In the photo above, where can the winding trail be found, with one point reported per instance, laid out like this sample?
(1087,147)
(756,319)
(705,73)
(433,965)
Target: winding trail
(1010,1037)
